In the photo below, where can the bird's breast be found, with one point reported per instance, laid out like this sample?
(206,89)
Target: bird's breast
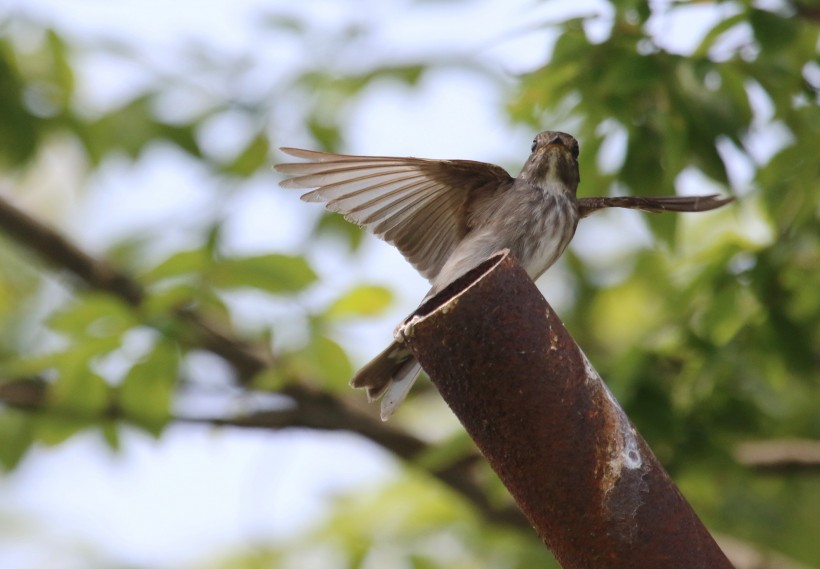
(545,233)
(536,229)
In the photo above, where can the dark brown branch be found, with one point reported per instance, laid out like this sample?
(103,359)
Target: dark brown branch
(787,456)
(60,252)
(549,427)
(30,396)
(248,360)
(313,408)
(747,556)
(99,274)
(23,393)
(806,10)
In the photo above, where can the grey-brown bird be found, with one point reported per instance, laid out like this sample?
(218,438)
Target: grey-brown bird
(447,216)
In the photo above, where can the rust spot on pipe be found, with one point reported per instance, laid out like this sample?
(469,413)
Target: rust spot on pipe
(550,428)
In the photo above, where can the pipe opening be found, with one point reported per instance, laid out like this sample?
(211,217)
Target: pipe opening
(458,286)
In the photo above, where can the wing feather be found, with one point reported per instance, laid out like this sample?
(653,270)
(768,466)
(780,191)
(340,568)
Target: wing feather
(653,204)
(374,194)
(419,205)
(396,211)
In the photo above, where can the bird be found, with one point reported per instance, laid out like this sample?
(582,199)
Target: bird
(448,216)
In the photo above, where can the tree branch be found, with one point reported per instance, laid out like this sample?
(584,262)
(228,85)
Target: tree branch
(313,409)
(59,251)
(784,456)
(30,395)
(320,411)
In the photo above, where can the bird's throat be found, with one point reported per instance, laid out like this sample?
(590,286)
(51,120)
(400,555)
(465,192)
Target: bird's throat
(554,174)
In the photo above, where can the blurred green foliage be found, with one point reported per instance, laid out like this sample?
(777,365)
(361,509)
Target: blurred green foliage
(708,339)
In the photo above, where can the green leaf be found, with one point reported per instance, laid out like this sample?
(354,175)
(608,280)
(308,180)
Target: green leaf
(272,273)
(772,31)
(107,133)
(165,302)
(83,350)
(271,378)
(364,300)
(445,453)
(718,30)
(16,436)
(181,135)
(111,434)
(194,261)
(253,157)
(136,118)
(77,387)
(62,73)
(324,359)
(708,159)
(146,392)
(94,314)
(27,366)
(55,428)
(20,132)
(331,361)
(643,165)
(418,561)
(334,224)
(327,134)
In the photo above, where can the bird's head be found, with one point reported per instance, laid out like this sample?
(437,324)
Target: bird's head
(553,163)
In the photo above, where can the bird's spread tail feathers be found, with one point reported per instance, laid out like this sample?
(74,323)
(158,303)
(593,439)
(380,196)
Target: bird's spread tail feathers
(390,375)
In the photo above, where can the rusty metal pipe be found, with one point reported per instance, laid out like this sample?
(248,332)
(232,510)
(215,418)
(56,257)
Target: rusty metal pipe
(550,428)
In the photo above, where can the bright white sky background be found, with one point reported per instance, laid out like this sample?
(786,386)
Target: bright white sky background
(197,492)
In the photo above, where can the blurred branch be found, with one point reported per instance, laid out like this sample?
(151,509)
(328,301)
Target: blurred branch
(23,393)
(59,251)
(806,10)
(746,556)
(99,274)
(30,395)
(784,456)
(247,359)
(318,411)
(314,409)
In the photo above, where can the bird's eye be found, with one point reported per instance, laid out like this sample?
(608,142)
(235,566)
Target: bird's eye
(575,151)
(534,144)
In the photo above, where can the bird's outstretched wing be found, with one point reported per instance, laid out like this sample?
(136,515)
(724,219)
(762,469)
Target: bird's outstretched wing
(419,205)
(587,206)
